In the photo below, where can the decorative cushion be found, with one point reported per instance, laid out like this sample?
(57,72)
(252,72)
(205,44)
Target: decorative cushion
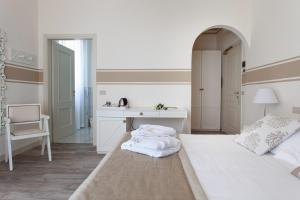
(266,133)
(289,150)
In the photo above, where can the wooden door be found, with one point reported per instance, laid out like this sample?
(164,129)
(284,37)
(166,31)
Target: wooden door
(231,92)
(63,91)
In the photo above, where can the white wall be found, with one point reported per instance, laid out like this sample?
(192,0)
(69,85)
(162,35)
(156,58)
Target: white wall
(275,32)
(19,20)
(275,37)
(142,33)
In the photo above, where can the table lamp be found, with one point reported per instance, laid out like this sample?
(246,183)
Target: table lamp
(265,96)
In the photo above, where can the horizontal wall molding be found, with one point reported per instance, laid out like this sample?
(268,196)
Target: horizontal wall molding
(287,70)
(22,74)
(143,76)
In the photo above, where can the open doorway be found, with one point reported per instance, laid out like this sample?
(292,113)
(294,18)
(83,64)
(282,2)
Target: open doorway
(216,82)
(71,90)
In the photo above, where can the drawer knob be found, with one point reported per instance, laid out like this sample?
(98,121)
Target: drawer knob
(141,113)
(124,121)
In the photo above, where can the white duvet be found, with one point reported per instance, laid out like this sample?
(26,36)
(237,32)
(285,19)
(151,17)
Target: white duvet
(227,171)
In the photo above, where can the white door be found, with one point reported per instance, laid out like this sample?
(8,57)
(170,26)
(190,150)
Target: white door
(231,101)
(206,90)
(196,92)
(211,93)
(63,90)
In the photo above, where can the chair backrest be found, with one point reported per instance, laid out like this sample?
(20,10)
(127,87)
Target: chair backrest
(23,113)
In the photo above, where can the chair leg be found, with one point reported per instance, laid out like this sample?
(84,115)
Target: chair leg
(49,148)
(43,145)
(9,149)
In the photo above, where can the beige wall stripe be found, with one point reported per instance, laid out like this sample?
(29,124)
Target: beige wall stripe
(278,72)
(135,76)
(23,74)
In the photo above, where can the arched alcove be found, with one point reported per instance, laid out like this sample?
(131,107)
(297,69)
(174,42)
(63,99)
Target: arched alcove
(217,58)
(234,30)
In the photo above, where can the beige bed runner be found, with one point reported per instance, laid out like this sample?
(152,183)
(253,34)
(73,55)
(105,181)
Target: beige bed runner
(131,176)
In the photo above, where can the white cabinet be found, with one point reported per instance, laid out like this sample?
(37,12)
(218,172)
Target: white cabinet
(112,125)
(110,130)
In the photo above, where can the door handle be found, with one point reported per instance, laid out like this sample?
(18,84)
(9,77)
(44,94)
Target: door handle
(237,95)
(201,89)
(73,93)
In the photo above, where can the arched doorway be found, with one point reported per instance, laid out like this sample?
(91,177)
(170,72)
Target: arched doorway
(217,62)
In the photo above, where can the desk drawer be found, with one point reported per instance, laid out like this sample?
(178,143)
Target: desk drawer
(141,114)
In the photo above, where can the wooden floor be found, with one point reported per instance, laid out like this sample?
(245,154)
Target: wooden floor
(36,178)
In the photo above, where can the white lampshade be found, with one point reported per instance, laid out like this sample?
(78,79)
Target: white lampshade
(265,96)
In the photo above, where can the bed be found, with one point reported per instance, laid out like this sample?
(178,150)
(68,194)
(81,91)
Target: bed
(227,171)
(207,167)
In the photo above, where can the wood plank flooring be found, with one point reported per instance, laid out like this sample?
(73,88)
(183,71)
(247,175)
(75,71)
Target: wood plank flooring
(34,177)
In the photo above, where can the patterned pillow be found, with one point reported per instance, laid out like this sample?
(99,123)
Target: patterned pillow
(266,133)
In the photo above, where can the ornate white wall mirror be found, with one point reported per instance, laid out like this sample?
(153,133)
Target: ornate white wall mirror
(3,87)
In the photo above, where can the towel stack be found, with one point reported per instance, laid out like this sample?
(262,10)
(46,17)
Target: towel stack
(153,140)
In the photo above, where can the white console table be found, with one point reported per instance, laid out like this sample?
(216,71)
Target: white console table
(113,123)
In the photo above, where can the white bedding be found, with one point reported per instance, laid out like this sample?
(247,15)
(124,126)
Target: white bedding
(227,171)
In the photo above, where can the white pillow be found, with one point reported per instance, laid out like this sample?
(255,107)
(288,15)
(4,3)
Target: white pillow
(266,133)
(289,150)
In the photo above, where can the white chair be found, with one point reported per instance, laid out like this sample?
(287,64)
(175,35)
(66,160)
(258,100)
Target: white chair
(17,117)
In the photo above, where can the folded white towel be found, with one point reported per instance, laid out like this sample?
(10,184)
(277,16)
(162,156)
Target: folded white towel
(154,142)
(154,153)
(146,133)
(159,129)
(154,130)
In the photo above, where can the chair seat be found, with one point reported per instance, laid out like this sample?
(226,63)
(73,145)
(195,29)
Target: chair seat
(26,132)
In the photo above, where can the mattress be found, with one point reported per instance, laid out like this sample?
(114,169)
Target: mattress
(227,171)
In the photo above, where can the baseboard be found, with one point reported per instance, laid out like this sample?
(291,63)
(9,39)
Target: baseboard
(23,149)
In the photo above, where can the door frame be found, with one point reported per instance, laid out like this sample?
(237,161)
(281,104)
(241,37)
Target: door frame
(47,61)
